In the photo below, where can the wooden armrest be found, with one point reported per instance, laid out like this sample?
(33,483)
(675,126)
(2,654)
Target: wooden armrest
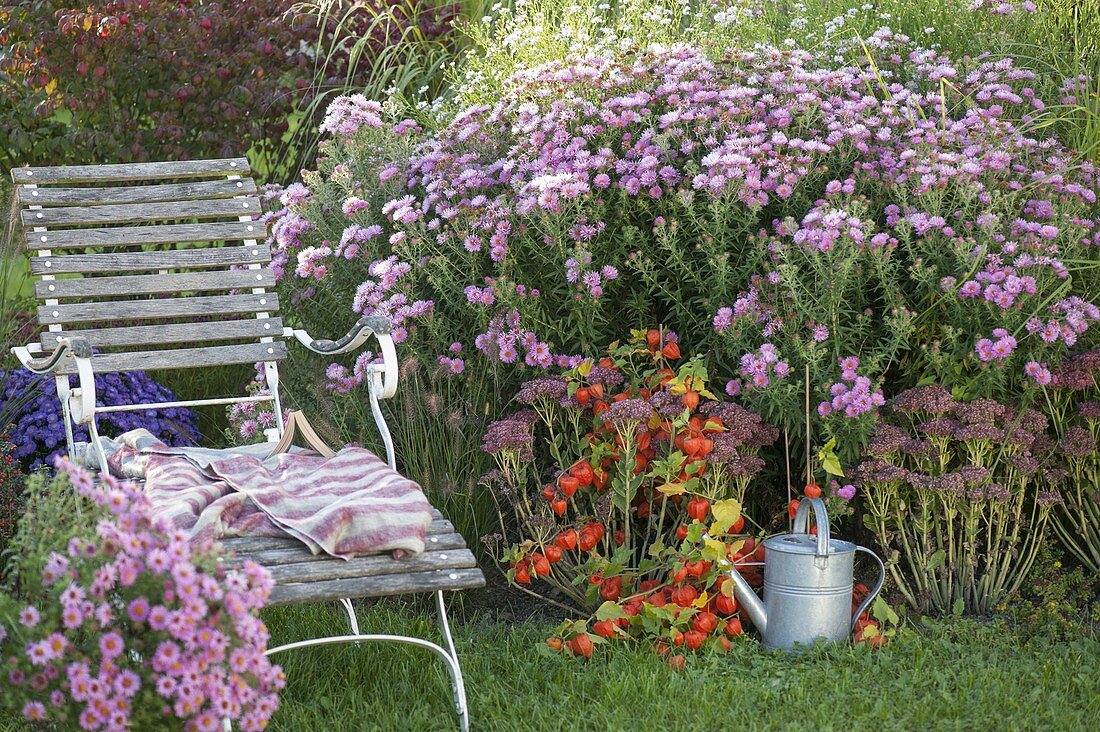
(77,346)
(367,326)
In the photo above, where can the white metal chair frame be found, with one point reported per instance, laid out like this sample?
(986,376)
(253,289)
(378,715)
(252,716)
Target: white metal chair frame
(79,407)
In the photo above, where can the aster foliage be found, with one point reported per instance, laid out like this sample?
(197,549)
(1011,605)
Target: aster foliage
(117,623)
(38,426)
(779,210)
(961,494)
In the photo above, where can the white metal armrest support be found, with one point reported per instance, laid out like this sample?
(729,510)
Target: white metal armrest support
(84,408)
(77,346)
(382,382)
(78,405)
(366,327)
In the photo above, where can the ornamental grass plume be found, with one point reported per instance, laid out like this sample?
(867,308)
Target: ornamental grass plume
(123,624)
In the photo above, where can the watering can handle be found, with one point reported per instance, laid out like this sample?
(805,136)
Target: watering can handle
(821,519)
(874,593)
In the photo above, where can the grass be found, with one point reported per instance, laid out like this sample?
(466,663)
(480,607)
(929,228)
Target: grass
(952,674)
(943,675)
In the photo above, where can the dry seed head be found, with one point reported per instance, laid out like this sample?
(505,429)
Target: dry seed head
(455,420)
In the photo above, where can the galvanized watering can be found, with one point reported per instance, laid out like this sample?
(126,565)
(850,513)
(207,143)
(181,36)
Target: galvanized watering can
(807,584)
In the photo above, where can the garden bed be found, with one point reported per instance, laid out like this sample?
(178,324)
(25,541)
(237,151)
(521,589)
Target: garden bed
(657,271)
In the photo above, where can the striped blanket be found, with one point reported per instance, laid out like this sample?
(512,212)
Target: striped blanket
(348,505)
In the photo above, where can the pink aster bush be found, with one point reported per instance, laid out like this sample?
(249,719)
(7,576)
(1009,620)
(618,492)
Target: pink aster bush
(762,203)
(125,625)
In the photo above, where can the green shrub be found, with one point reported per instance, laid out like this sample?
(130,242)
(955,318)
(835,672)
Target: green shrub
(133,80)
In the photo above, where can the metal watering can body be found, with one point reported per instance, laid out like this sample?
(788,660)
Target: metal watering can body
(807,584)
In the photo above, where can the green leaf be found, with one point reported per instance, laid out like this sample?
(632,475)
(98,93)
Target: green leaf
(610,611)
(695,532)
(832,466)
(726,513)
(672,489)
(936,560)
(883,613)
(958,607)
(828,459)
(713,549)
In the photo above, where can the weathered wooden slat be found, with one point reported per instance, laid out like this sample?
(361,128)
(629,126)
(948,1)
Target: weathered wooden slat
(181,358)
(131,171)
(131,213)
(298,554)
(189,191)
(397,584)
(91,312)
(135,235)
(139,335)
(155,284)
(194,258)
(325,570)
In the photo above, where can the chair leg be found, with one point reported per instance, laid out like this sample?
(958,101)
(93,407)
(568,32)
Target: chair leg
(351,615)
(448,654)
(457,682)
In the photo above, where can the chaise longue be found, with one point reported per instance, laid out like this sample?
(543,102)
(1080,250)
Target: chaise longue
(163,266)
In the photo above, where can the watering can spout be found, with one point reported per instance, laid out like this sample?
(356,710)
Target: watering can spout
(749,600)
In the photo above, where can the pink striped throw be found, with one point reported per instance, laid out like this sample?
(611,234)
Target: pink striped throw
(348,505)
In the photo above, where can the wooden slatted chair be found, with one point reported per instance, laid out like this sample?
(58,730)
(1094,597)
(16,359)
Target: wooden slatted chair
(175,252)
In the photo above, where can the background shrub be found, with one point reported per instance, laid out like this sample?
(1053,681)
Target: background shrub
(139,80)
(134,80)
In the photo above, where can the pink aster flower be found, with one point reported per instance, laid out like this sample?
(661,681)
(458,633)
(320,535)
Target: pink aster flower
(29,616)
(34,711)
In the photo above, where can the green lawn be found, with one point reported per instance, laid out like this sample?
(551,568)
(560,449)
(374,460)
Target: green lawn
(942,675)
(948,675)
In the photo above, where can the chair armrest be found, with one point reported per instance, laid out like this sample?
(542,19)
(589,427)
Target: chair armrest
(77,346)
(367,326)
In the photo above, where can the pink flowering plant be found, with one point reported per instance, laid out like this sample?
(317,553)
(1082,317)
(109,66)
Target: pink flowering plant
(125,625)
(776,210)
(960,495)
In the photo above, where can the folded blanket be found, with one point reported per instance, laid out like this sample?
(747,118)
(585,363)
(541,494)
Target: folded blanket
(347,505)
